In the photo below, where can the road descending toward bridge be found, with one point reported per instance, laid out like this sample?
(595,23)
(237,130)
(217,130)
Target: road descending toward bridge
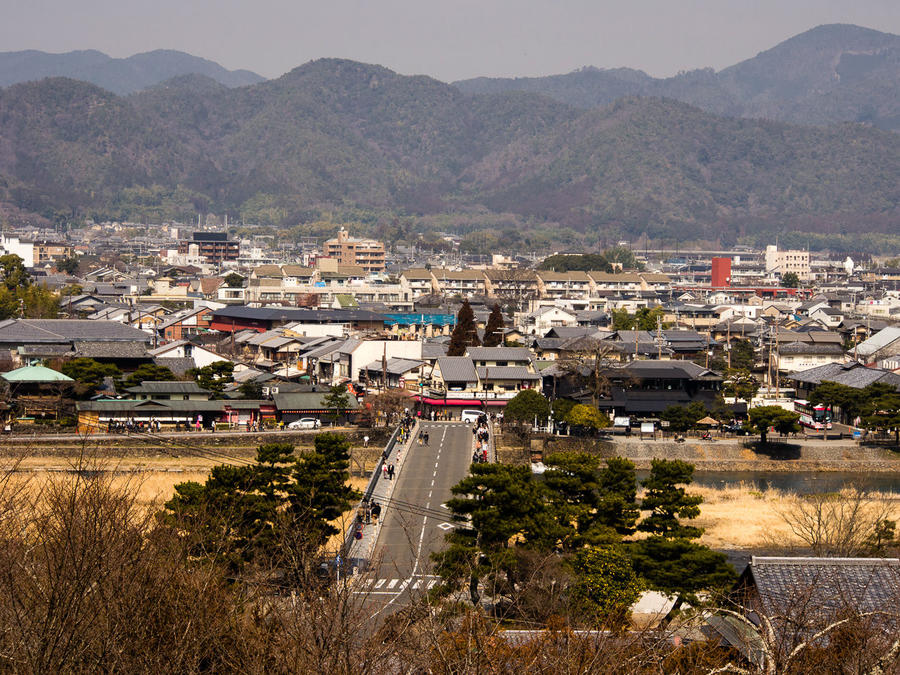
(416,519)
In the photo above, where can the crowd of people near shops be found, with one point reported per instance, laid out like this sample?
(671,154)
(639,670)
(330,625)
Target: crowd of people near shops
(481,432)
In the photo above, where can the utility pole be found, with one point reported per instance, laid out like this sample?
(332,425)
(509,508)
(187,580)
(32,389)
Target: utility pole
(659,338)
(777,364)
(728,342)
(707,351)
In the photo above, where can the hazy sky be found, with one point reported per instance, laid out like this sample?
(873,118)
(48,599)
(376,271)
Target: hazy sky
(449,40)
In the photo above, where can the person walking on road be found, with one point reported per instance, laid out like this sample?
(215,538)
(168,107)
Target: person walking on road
(384,471)
(365,441)
(376,511)
(425,437)
(390,472)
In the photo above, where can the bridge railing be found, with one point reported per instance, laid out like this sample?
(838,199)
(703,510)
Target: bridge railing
(367,494)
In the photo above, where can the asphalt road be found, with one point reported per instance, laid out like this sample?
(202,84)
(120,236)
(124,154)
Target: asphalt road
(416,520)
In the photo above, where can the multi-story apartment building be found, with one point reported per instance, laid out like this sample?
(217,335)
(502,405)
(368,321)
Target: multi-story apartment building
(213,247)
(781,262)
(564,284)
(51,251)
(464,283)
(347,250)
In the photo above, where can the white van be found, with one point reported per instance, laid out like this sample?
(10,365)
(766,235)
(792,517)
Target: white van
(470,416)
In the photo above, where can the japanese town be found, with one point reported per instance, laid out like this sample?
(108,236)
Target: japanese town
(260,426)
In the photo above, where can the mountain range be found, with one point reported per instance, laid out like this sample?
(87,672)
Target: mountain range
(833,73)
(338,134)
(120,76)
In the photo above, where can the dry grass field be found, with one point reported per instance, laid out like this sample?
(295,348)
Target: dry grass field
(742,517)
(734,517)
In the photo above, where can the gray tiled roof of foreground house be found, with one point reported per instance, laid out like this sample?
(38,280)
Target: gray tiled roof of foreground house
(833,584)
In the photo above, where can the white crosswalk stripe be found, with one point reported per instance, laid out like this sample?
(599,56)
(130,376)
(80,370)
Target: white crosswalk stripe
(396,586)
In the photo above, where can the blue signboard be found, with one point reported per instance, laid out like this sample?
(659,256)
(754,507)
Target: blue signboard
(420,319)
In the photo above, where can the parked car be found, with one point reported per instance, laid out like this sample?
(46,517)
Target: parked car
(470,416)
(305,423)
(736,429)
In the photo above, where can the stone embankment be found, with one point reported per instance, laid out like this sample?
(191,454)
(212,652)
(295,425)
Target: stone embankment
(732,454)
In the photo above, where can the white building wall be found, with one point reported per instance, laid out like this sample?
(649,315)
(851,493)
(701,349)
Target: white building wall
(372,350)
(23,249)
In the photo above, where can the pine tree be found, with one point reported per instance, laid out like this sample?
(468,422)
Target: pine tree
(465,333)
(493,332)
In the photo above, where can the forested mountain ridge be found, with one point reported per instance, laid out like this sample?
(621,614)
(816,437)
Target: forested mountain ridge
(831,73)
(120,76)
(337,133)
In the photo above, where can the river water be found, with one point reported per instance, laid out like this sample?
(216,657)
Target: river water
(805,482)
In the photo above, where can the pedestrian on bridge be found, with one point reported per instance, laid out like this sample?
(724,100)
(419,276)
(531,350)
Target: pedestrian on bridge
(376,510)
(390,472)
(425,437)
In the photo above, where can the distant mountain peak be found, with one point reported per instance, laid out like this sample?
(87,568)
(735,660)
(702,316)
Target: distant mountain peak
(829,73)
(120,76)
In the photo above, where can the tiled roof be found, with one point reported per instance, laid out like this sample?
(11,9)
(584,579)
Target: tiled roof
(175,387)
(611,277)
(268,271)
(395,366)
(177,364)
(67,330)
(308,400)
(810,348)
(879,341)
(851,374)
(826,584)
(506,373)
(111,350)
(457,369)
(417,274)
(499,353)
(296,314)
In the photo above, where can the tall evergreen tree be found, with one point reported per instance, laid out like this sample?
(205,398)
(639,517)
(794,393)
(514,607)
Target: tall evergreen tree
(246,514)
(465,333)
(493,331)
(668,560)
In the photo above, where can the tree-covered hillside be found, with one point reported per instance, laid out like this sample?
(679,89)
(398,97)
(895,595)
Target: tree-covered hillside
(340,134)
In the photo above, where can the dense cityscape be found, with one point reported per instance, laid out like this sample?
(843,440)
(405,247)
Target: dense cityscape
(353,371)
